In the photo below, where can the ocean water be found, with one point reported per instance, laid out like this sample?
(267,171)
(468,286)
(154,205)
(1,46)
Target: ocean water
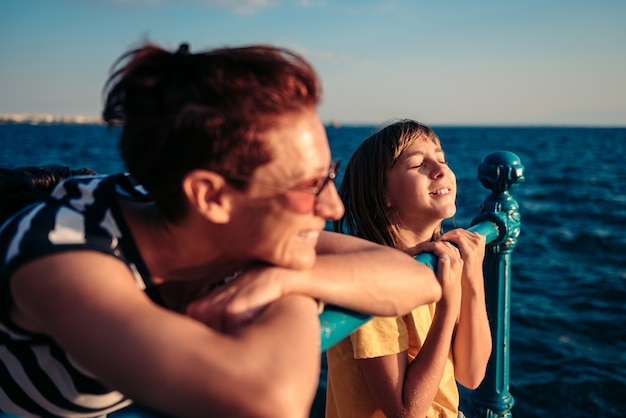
(568,279)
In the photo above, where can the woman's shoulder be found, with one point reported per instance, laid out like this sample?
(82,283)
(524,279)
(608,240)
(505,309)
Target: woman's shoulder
(82,212)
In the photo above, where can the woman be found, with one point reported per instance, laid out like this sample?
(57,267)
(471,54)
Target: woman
(230,180)
(397,190)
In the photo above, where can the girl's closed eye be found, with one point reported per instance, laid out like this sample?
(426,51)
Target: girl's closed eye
(441,158)
(415,161)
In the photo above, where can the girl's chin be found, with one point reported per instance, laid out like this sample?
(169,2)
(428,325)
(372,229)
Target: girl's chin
(450,212)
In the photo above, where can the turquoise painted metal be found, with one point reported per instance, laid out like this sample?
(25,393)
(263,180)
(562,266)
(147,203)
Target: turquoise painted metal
(499,172)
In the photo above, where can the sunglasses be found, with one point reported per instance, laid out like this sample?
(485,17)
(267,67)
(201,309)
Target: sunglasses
(314,191)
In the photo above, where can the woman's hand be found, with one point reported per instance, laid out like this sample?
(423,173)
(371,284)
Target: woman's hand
(238,302)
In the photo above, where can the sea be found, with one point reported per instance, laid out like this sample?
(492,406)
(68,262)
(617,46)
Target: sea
(568,271)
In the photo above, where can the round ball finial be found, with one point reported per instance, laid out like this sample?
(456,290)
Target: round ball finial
(500,171)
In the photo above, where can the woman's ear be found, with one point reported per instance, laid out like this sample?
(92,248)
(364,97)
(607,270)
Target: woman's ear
(205,192)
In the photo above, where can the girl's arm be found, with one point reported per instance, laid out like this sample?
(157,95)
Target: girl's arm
(472,341)
(402,389)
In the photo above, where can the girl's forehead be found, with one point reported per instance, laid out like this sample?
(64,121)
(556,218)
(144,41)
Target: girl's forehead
(420,147)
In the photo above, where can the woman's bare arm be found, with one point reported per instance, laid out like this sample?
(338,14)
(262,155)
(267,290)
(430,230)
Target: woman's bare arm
(90,305)
(349,272)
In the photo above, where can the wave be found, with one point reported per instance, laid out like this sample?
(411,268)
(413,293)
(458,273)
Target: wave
(583,399)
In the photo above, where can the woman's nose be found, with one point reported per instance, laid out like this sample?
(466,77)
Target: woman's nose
(329,204)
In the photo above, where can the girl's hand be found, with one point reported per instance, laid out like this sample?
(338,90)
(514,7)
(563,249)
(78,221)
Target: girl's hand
(471,245)
(449,269)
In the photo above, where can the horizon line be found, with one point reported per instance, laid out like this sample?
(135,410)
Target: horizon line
(90,119)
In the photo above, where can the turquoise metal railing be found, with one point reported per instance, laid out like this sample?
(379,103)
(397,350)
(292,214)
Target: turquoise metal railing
(499,172)
(499,221)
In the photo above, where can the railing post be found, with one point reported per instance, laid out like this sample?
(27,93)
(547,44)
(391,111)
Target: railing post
(499,171)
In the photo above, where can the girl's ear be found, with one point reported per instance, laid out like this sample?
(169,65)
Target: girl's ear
(206,193)
(387,202)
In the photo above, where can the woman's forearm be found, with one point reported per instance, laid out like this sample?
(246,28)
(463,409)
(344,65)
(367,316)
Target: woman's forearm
(366,277)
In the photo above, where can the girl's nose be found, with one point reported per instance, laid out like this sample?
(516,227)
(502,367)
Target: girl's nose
(439,169)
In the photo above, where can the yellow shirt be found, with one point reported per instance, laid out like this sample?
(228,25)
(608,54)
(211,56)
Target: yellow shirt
(347,393)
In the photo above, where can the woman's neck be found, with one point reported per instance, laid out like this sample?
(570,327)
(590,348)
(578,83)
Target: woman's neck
(178,252)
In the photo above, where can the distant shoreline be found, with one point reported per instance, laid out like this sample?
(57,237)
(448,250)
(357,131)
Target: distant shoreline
(57,119)
(44,118)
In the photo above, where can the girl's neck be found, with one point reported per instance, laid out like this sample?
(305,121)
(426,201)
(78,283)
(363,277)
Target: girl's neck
(414,236)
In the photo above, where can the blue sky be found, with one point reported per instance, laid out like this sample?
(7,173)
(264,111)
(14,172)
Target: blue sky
(448,62)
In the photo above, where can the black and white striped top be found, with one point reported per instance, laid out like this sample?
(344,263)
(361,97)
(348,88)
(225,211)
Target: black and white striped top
(36,377)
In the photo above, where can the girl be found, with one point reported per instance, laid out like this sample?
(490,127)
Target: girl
(397,189)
